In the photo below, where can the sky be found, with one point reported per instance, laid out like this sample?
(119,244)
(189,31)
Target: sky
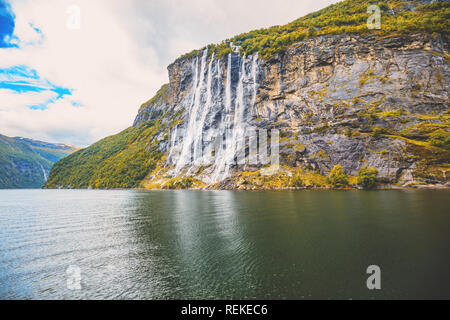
(76,71)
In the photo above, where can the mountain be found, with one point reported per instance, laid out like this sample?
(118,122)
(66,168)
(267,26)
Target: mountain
(341,99)
(26,163)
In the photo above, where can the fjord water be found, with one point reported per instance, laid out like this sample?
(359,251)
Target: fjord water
(223,244)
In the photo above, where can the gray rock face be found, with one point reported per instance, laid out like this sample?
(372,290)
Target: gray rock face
(335,100)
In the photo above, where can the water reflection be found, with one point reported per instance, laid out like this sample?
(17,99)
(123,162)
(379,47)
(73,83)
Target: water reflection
(223,244)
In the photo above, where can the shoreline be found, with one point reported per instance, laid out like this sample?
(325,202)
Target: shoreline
(306,188)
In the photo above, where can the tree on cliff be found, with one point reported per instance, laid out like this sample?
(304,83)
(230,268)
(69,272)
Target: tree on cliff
(337,177)
(367,177)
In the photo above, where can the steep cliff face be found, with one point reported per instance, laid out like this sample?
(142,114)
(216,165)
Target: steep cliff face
(318,92)
(349,100)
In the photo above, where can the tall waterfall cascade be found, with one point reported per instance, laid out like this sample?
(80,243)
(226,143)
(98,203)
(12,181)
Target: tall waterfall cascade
(44,173)
(218,109)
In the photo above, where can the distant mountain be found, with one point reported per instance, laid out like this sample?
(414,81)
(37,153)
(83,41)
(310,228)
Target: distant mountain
(26,163)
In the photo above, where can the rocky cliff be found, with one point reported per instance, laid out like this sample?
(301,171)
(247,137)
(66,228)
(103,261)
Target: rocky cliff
(353,100)
(348,100)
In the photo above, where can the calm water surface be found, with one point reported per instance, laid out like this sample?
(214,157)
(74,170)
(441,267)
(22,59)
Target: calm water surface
(223,244)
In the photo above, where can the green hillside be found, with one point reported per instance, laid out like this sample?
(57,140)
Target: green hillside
(25,163)
(50,151)
(118,161)
(348,16)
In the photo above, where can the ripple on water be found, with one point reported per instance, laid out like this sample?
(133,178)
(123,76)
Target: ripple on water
(221,245)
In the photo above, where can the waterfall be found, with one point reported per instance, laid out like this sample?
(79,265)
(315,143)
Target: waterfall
(219,79)
(198,135)
(190,138)
(222,109)
(228,86)
(255,83)
(222,157)
(173,142)
(240,104)
(44,173)
(239,112)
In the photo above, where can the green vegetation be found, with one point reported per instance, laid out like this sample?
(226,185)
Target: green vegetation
(119,161)
(337,177)
(431,131)
(348,16)
(297,181)
(348,133)
(180,183)
(376,131)
(367,177)
(440,138)
(24,163)
(157,96)
(421,131)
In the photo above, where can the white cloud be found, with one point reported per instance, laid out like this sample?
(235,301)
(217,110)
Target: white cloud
(99,62)
(11,101)
(60,120)
(118,58)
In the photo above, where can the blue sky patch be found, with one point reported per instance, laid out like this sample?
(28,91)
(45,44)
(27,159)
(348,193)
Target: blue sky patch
(42,106)
(22,71)
(7,24)
(23,79)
